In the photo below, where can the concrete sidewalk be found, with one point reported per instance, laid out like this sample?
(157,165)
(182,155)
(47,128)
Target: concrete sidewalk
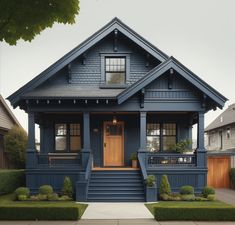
(113,222)
(117,211)
(226,195)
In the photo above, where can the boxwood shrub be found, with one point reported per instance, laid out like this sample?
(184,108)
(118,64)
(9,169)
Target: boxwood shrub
(45,189)
(10,180)
(187,190)
(208,191)
(162,213)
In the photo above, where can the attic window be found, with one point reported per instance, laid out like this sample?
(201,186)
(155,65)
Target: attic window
(115,70)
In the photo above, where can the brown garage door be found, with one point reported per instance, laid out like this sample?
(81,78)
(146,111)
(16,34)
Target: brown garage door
(218,172)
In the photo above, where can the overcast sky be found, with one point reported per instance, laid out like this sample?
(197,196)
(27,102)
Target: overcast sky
(200,34)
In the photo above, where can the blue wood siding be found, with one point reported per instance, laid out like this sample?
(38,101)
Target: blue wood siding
(88,72)
(180,177)
(181,90)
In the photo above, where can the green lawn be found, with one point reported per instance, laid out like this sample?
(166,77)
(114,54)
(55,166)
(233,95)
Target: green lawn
(195,210)
(40,209)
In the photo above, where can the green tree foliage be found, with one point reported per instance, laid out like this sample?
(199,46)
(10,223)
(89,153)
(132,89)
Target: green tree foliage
(165,187)
(15,146)
(27,18)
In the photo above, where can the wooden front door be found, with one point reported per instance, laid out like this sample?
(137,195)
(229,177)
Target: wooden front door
(113,144)
(218,172)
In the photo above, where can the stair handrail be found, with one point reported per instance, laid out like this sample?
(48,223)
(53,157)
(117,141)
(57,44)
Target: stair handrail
(142,165)
(89,167)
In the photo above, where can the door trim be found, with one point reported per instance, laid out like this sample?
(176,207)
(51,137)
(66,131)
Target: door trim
(104,141)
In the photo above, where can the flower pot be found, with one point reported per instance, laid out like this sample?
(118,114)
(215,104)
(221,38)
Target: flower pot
(134,163)
(151,194)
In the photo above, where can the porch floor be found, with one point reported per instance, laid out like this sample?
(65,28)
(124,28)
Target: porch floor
(114,168)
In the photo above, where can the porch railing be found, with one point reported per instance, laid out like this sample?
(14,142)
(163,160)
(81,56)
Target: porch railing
(59,159)
(170,160)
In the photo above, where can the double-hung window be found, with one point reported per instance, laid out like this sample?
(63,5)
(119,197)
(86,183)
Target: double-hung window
(153,137)
(168,136)
(115,70)
(161,136)
(67,137)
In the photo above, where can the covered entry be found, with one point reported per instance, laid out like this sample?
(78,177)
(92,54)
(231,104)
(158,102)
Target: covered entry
(113,144)
(218,171)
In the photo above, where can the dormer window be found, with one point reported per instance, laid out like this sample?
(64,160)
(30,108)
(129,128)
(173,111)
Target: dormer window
(115,70)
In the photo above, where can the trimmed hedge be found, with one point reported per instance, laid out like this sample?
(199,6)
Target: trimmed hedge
(232,176)
(162,213)
(39,213)
(10,180)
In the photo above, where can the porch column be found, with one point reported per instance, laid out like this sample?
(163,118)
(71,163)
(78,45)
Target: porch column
(31,159)
(86,138)
(142,132)
(201,152)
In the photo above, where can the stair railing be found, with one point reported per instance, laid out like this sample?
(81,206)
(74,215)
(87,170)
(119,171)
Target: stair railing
(141,159)
(89,167)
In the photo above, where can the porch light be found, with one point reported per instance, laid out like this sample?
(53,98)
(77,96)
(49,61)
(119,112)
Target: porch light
(114,120)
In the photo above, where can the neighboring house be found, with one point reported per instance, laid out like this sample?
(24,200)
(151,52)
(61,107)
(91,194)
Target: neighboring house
(7,121)
(113,95)
(220,136)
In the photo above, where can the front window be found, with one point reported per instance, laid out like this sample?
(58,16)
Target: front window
(161,137)
(169,136)
(67,137)
(115,70)
(153,137)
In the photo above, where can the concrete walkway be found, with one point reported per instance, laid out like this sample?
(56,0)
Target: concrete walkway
(112,222)
(117,211)
(226,195)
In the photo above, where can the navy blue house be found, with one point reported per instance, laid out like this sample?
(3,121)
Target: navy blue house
(113,95)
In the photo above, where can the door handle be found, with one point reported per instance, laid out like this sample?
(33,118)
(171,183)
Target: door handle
(104,145)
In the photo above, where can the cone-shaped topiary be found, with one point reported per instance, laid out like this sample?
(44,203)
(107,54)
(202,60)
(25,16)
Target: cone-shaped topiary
(165,187)
(67,187)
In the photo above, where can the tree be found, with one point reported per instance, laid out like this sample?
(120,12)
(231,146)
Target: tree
(15,146)
(27,18)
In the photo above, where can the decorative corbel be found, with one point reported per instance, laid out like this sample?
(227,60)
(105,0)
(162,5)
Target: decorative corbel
(147,60)
(142,98)
(115,48)
(69,73)
(84,59)
(204,98)
(170,79)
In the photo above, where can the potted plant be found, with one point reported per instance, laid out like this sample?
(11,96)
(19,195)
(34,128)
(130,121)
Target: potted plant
(151,189)
(134,160)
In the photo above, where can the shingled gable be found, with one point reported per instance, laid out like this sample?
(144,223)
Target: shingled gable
(183,71)
(80,49)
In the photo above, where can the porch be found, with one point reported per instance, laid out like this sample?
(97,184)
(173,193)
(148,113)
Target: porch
(67,140)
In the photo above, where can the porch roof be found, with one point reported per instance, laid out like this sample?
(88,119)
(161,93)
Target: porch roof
(72,91)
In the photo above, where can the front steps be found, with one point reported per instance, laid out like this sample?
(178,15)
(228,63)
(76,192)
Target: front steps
(116,186)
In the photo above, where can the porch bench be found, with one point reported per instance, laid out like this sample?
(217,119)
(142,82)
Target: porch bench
(59,156)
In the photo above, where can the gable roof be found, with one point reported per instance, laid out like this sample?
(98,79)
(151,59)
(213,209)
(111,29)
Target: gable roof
(183,71)
(80,49)
(225,118)
(5,123)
